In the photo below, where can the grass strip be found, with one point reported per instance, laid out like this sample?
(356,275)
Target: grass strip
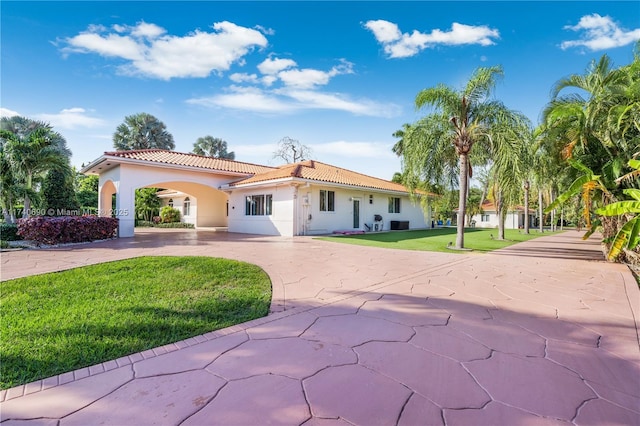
(478,239)
(58,322)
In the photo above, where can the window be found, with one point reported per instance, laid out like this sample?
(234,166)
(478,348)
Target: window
(370,199)
(186,207)
(394,205)
(327,201)
(268,204)
(484,218)
(259,205)
(170,203)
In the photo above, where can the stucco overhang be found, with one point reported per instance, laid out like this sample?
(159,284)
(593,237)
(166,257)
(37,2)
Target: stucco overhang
(301,182)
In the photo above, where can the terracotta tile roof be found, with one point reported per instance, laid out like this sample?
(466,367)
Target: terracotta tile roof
(488,206)
(190,160)
(321,172)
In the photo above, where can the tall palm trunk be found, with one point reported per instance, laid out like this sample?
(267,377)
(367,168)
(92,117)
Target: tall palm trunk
(501,215)
(540,211)
(27,200)
(527,186)
(462,201)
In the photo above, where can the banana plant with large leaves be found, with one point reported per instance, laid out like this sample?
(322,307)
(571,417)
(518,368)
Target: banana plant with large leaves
(628,236)
(586,185)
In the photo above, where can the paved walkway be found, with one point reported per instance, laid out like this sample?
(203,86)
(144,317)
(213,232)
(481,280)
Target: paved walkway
(543,332)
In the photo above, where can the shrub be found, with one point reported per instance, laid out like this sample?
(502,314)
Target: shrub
(4,244)
(67,229)
(169,214)
(144,224)
(9,232)
(175,225)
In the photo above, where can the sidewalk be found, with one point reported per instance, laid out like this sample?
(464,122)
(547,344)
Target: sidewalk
(543,332)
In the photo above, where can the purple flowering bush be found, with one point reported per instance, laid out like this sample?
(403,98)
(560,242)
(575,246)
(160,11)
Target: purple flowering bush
(67,229)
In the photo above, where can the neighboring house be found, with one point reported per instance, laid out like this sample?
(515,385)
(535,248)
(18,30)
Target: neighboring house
(513,220)
(188,206)
(304,198)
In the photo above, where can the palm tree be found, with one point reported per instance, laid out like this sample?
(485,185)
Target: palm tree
(10,188)
(212,147)
(459,119)
(142,131)
(398,146)
(30,155)
(599,131)
(510,132)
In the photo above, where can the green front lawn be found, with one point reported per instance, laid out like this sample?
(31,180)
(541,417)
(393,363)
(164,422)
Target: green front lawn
(437,239)
(59,322)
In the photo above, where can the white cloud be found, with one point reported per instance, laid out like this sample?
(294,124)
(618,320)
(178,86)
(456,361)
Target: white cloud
(149,31)
(245,99)
(287,100)
(150,52)
(243,77)
(310,99)
(71,118)
(5,112)
(401,45)
(309,78)
(384,31)
(273,66)
(266,31)
(599,33)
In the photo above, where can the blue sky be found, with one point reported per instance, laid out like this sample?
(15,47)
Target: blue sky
(340,77)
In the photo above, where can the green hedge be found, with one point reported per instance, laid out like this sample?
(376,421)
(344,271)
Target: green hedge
(9,232)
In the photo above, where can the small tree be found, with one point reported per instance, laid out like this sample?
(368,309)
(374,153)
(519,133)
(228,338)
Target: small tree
(147,203)
(292,151)
(169,214)
(58,194)
(87,190)
(142,131)
(212,147)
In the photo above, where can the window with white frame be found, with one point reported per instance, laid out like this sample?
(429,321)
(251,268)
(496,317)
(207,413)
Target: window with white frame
(259,205)
(170,202)
(484,218)
(186,207)
(327,201)
(394,205)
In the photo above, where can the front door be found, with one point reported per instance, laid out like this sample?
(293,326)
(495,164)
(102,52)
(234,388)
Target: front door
(356,214)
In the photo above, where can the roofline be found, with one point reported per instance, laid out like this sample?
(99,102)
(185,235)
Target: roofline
(134,161)
(270,182)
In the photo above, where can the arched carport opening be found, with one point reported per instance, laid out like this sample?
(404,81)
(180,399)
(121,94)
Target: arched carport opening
(207,204)
(106,205)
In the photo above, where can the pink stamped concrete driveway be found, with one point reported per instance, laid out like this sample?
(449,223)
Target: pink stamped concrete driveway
(543,332)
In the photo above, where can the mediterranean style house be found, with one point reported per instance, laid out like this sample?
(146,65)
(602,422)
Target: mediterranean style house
(513,220)
(305,198)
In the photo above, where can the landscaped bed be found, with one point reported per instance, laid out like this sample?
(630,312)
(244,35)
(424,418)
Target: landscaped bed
(477,239)
(59,322)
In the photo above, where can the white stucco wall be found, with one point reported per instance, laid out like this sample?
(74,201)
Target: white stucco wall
(513,220)
(371,202)
(280,222)
(178,203)
(296,211)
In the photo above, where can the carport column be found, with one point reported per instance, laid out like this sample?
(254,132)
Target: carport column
(125,210)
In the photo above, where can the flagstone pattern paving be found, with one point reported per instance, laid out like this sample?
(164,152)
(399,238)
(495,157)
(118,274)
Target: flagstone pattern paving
(543,332)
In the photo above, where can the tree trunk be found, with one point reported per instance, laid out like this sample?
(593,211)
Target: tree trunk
(526,206)
(27,201)
(553,215)
(540,211)
(501,215)
(462,201)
